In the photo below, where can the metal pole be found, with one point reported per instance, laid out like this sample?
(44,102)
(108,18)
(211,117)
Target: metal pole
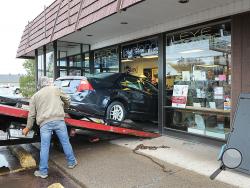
(91,61)
(119,57)
(36,66)
(44,60)
(82,59)
(56,75)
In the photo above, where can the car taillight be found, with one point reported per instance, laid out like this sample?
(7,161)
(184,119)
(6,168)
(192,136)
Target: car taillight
(84,85)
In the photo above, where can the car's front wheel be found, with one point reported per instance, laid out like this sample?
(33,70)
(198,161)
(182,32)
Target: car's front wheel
(116,111)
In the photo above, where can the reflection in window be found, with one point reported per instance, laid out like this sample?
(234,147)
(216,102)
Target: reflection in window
(106,60)
(200,60)
(62,61)
(71,59)
(40,66)
(63,72)
(50,64)
(86,60)
(132,82)
(75,61)
(74,72)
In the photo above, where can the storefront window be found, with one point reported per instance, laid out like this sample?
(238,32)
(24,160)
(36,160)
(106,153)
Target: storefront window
(63,72)
(198,80)
(74,72)
(62,61)
(73,58)
(106,60)
(40,61)
(141,59)
(75,61)
(50,64)
(86,61)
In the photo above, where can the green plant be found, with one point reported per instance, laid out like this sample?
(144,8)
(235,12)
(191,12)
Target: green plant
(27,82)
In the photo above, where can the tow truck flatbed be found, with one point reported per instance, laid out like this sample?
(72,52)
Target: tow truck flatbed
(9,113)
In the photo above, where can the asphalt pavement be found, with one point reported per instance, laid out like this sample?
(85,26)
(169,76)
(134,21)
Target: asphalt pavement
(105,165)
(12,175)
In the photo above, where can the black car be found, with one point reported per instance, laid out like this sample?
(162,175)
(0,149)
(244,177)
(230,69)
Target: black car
(116,96)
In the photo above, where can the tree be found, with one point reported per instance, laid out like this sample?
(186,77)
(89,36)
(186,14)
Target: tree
(27,82)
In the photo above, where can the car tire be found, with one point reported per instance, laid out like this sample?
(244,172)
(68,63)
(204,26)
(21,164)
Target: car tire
(116,111)
(77,117)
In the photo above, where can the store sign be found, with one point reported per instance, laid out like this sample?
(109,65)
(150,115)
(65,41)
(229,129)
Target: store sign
(140,49)
(179,98)
(196,35)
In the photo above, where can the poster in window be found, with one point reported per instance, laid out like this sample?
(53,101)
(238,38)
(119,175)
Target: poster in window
(179,98)
(218,93)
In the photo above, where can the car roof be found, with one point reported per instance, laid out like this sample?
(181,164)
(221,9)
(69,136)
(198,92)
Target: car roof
(103,75)
(71,78)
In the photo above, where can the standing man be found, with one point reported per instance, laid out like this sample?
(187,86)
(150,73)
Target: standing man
(47,109)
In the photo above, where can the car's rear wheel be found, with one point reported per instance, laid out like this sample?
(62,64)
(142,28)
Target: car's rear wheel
(116,111)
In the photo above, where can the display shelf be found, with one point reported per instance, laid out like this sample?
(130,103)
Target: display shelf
(203,110)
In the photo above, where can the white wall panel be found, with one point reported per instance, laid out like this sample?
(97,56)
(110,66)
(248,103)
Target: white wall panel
(238,6)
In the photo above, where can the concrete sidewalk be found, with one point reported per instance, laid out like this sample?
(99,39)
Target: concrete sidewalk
(197,157)
(105,165)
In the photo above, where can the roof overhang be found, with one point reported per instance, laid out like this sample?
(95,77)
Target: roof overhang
(63,17)
(143,18)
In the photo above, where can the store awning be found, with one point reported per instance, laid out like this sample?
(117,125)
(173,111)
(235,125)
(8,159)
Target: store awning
(63,17)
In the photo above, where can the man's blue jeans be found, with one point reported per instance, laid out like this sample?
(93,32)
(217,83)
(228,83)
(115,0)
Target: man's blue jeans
(60,129)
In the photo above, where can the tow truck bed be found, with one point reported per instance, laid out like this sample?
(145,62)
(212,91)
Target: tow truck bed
(9,113)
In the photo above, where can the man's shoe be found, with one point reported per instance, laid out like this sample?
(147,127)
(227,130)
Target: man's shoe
(72,166)
(37,173)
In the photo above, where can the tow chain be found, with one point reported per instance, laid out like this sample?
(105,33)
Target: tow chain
(141,146)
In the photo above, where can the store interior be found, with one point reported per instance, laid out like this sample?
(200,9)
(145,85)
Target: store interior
(141,59)
(198,80)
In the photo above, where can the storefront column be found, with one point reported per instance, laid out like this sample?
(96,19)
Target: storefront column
(91,62)
(36,66)
(56,75)
(119,57)
(82,59)
(161,82)
(240,57)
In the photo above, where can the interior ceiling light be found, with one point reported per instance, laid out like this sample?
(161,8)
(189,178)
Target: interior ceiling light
(191,51)
(207,66)
(183,1)
(124,23)
(89,35)
(150,56)
(127,60)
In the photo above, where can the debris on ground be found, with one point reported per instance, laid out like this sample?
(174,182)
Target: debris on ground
(141,146)
(56,185)
(26,159)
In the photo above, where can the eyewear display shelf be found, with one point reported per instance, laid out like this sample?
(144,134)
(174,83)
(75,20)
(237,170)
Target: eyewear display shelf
(200,116)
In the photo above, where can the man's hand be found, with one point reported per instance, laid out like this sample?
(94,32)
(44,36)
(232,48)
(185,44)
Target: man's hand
(26,131)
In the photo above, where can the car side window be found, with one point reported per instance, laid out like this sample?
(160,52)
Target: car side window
(148,87)
(67,86)
(131,82)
